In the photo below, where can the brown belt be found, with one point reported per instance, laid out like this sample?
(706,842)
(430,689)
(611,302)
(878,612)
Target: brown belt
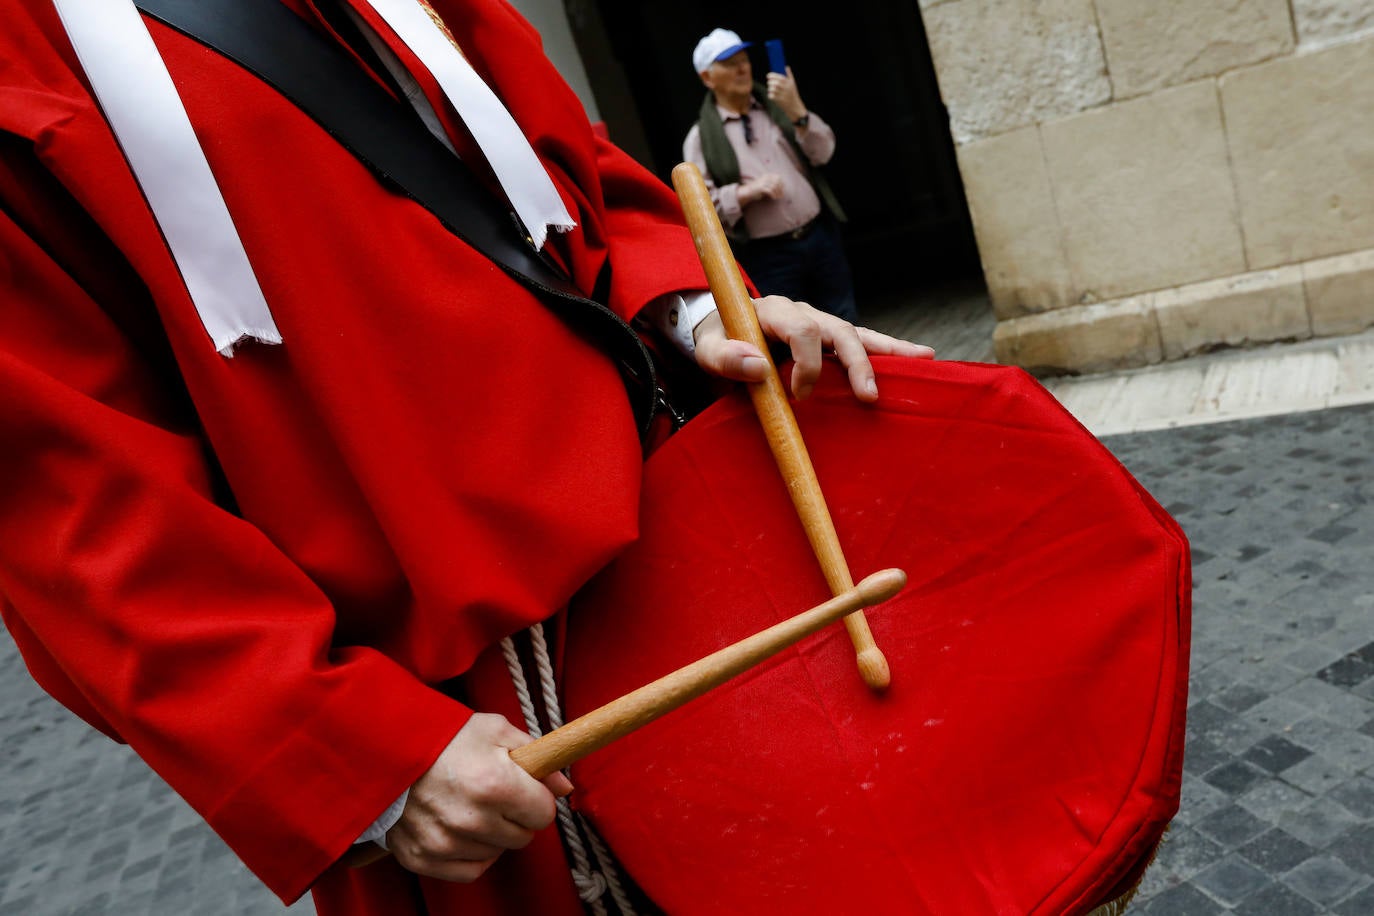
(800,232)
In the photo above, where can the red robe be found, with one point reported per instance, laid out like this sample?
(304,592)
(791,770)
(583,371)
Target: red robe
(253,570)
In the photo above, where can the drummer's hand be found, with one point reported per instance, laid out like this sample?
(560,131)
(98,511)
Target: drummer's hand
(473,804)
(809,332)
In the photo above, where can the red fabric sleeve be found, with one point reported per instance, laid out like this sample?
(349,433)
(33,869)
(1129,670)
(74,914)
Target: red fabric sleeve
(163,618)
(651,249)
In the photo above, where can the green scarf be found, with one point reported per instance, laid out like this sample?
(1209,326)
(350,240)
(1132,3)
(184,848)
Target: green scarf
(723,165)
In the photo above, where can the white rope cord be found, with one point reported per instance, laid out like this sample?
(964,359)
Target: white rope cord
(522,690)
(608,868)
(544,667)
(554,711)
(591,885)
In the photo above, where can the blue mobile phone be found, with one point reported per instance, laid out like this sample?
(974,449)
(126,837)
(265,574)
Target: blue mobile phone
(776,62)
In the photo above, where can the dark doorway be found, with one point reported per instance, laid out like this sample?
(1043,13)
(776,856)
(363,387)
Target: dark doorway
(864,66)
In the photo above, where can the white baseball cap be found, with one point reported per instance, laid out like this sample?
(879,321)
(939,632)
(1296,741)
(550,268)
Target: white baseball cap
(720,44)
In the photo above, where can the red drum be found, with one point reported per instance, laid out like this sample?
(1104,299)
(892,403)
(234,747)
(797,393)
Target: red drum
(1028,753)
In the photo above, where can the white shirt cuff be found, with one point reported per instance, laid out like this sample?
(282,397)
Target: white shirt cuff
(676,316)
(377,832)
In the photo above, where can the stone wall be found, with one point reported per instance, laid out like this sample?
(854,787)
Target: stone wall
(1153,178)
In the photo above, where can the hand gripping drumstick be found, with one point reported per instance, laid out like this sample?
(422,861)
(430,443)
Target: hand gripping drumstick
(770,403)
(598,728)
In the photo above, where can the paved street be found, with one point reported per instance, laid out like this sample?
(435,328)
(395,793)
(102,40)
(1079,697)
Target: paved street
(1278,802)
(1278,809)
(86,828)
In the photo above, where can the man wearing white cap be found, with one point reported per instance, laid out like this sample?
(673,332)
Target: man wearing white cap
(761,149)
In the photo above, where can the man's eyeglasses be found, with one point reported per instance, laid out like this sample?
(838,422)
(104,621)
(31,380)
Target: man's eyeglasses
(748,129)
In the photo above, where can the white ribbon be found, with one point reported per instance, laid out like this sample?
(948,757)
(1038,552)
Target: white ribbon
(522,175)
(146,114)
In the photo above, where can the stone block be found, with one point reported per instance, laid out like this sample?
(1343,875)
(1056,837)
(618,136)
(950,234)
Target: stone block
(1113,335)
(1356,382)
(1257,386)
(1004,64)
(1156,43)
(1249,308)
(1321,22)
(1009,199)
(1143,191)
(1340,293)
(1301,137)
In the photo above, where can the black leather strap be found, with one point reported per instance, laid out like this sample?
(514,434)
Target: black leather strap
(271,41)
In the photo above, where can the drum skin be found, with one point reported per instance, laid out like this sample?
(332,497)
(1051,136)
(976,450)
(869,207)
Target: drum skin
(1028,753)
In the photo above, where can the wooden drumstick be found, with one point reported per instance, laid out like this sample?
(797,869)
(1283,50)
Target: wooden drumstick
(774,411)
(564,746)
(618,718)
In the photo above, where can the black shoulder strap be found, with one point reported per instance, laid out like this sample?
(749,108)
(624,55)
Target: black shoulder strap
(268,39)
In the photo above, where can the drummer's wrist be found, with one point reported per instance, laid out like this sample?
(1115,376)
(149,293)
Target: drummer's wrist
(677,315)
(376,833)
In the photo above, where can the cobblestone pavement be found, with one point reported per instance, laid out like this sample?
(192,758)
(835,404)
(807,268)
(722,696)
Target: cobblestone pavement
(1278,795)
(86,828)
(1278,808)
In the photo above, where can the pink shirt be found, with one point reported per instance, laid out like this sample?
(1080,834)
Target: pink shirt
(770,152)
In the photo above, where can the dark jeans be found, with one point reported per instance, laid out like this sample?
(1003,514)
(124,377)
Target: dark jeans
(811,269)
